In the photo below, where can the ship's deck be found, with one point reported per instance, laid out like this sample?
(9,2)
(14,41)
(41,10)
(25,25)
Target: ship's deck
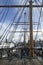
(21,62)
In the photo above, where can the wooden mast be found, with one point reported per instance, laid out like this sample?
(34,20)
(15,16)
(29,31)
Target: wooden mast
(24,30)
(31,31)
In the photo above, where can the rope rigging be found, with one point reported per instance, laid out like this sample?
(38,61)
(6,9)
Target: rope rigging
(37,1)
(13,20)
(20,37)
(18,20)
(4,16)
(39,23)
(1,11)
(15,27)
(3,8)
(37,28)
(6,31)
(4,11)
(12,23)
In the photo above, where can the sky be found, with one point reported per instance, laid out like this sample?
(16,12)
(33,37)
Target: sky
(7,16)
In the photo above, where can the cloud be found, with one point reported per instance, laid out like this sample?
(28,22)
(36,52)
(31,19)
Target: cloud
(16,36)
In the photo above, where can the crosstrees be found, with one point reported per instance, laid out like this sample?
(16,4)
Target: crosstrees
(16,6)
